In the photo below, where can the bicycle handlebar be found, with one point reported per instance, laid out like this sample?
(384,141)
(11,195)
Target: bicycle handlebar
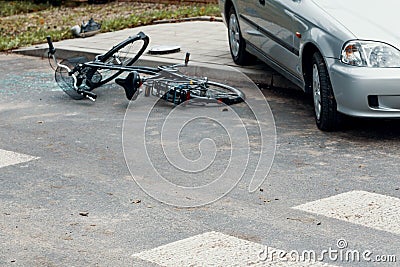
(52,50)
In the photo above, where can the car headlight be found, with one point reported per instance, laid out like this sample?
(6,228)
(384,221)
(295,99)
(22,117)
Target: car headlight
(370,54)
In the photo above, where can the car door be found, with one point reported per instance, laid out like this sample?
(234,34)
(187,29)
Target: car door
(269,26)
(277,25)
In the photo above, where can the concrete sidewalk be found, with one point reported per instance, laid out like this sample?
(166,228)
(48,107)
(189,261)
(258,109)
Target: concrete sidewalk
(206,41)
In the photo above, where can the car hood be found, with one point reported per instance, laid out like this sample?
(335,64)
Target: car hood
(375,20)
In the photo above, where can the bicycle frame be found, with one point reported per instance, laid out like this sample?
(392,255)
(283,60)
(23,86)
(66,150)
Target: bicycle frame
(165,82)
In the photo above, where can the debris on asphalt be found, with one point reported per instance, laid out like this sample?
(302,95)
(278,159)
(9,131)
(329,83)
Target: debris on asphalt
(305,220)
(84,213)
(265,200)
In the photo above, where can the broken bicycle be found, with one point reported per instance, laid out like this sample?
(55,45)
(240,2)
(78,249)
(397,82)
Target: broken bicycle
(78,76)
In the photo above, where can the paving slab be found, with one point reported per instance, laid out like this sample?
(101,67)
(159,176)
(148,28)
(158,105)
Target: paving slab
(206,41)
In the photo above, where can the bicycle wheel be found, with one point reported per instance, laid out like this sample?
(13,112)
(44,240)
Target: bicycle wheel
(213,91)
(123,54)
(64,80)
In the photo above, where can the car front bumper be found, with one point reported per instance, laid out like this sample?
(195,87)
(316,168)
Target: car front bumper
(365,92)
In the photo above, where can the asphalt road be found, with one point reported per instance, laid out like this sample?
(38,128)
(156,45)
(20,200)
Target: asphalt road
(69,198)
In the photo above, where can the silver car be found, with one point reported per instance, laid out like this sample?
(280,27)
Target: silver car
(346,53)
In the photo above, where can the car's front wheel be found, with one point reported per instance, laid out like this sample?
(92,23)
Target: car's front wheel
(326,115)
(237,44)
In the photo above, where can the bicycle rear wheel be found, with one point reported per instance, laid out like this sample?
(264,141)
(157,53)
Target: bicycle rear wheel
(219,92)
(123,54)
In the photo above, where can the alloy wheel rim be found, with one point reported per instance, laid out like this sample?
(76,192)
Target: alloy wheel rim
(234,35)
(316,92)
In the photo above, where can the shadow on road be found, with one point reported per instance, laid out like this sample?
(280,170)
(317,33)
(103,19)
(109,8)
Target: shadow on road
(294,109)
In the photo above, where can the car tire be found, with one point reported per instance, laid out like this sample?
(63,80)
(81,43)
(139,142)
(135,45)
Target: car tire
(237,45)
(325,107)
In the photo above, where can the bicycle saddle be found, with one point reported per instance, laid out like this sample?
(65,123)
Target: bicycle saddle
(131,84)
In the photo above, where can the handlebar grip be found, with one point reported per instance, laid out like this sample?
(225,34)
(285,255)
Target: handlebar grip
(187,58)
(52,50)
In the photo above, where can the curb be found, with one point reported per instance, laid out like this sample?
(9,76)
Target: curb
(202,18)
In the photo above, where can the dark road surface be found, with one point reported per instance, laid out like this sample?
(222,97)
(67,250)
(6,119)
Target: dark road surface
(73,201)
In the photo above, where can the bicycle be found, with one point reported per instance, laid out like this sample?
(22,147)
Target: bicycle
(78,77)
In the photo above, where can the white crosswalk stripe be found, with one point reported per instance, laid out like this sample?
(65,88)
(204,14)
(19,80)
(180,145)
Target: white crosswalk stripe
(8,158)
(372,210)
(359,207)
(217,249)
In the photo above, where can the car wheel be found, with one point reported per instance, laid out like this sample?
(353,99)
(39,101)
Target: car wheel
(237,44)
(326,115)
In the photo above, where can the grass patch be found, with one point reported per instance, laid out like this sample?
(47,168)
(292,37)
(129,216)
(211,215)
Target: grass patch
(10,8)
(27,29)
